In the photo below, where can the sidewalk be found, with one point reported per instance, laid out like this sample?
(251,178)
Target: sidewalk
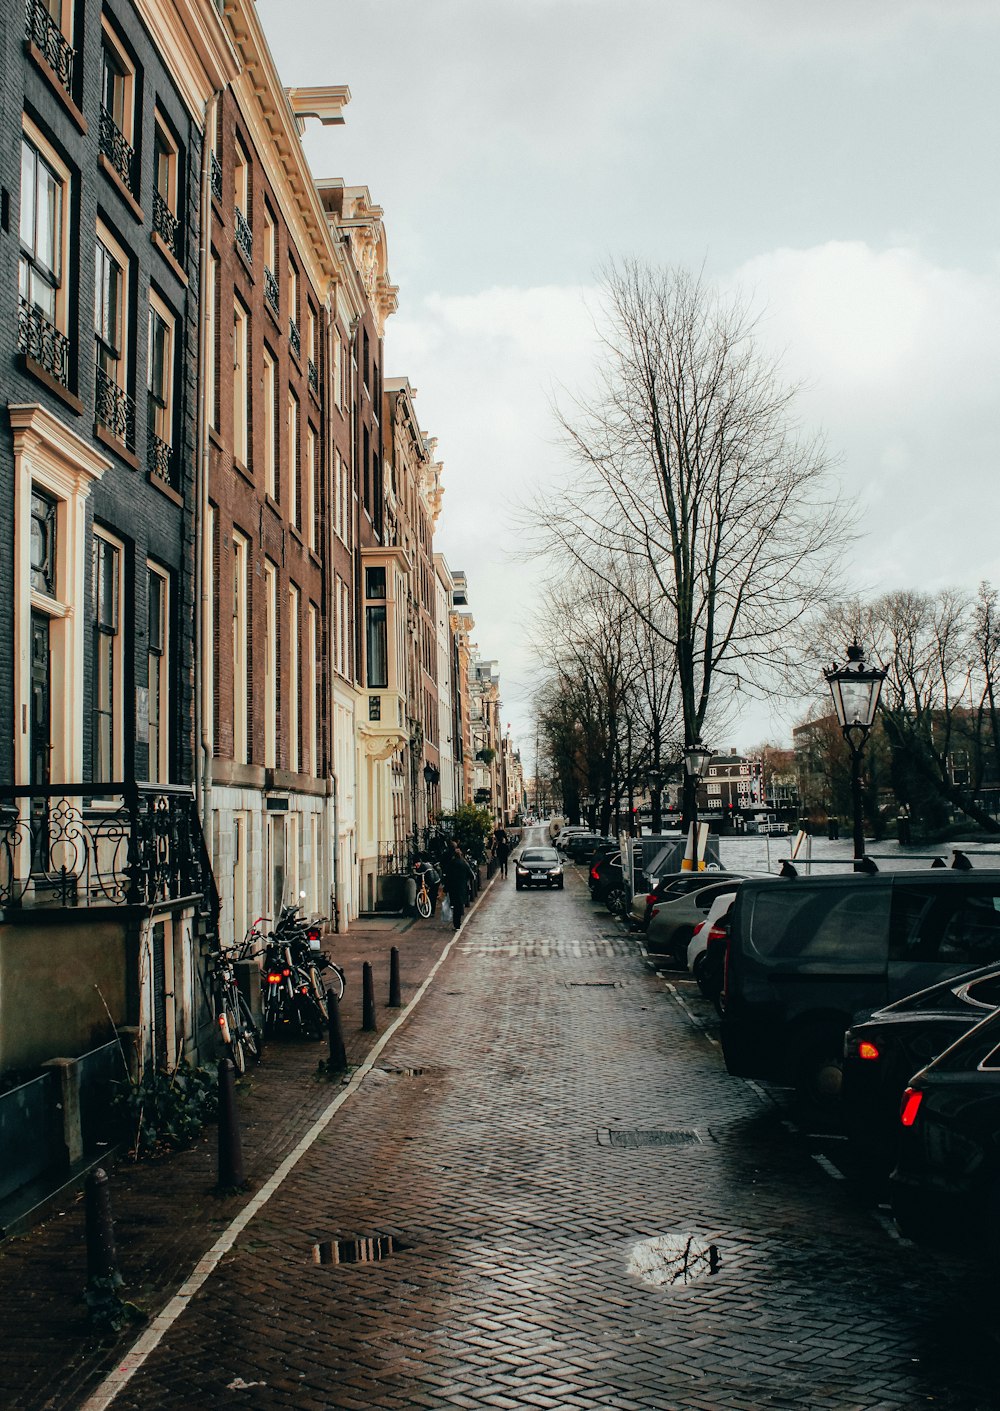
(164,1211)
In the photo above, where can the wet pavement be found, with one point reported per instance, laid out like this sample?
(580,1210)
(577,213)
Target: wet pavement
(544,1192)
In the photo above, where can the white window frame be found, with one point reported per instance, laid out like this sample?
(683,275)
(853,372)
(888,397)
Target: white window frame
(294,516)
(241,383)
(105,771)
(164,139)
(111,43)
(241,181)
(294,667)
(59,282)
(338,397)
(269,381)
(312,648)
(212,319)
(270,664)
(310,487)
(158,752)
(241,645)
(122,259)
(161,422)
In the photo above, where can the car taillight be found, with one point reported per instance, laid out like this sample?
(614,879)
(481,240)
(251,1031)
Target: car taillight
(651,898)
(717,933)
(595,875)
(655,912)
(868,1050)
(912,1099)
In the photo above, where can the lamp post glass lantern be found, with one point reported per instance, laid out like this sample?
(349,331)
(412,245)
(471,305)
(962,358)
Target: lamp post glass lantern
(696,758)
(855,689)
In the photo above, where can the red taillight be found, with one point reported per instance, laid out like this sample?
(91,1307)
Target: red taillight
(313,933)
(274,977)
(866,1049)
(655,912)
(286,972)
(595,875)
(912,1099)
(651,898)
(717,933)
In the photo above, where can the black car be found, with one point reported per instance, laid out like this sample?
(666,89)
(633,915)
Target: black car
(580,847)
(605,871)
(947,1176)
(538,867)
(884,1050)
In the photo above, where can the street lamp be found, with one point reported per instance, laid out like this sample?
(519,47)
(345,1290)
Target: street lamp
(855,689)
(696,758)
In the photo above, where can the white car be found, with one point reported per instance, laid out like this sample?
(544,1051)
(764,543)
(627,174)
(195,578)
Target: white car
(698,945)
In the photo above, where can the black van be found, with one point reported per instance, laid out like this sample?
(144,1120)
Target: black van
(806,954)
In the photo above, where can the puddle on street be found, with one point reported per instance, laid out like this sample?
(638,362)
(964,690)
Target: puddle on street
(671,1261)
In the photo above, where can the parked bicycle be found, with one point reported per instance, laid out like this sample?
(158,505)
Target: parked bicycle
(298,978)
(427,878)
(240,1036)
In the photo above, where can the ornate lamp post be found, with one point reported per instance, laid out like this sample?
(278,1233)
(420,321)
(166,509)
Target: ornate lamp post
(696,758)
(855,689)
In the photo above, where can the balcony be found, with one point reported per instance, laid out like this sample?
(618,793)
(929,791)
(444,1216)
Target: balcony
(160,460)
(243,235)
(41,341)
(166,225)
(118,152)
(41,30)
(294,337)
(102,845)
(313,376)
(215,176)
(271,289)
(115,410)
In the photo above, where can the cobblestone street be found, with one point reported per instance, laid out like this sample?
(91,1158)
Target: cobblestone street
(585,1211)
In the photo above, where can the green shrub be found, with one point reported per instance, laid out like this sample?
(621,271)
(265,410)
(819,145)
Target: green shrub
(167,1110)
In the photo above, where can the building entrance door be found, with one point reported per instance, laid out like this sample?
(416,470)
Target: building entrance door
(40,743)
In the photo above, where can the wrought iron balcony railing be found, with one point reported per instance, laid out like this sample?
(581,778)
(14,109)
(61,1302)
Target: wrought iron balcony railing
(115,409)
(118,152)
(161,460)
(166,225)
(244,235)
(271,289)
(86,844)
(215,175)
(294,337)
(41,30)
(40,340)
(313,376)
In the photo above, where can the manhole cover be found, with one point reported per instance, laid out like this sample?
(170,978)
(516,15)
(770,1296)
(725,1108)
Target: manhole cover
(674,1260)
(678,1136)
(355,1249)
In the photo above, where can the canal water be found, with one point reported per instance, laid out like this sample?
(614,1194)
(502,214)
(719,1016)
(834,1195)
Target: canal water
(821,857)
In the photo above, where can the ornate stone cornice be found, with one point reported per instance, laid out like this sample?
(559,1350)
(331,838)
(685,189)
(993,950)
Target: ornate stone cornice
(195,47)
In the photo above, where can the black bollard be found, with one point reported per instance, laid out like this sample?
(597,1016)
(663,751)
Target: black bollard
(231,1175)
(368,999)
(394,995)
(102,1260)
(337,1060)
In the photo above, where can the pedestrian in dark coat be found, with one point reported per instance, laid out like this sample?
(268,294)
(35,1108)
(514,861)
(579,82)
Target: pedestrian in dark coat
(458,881)
(501,851)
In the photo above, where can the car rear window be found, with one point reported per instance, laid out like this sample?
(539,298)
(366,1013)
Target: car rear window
(821,923)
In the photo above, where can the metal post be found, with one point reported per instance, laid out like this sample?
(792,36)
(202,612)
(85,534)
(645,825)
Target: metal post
(102,1258)
(337,1060)
(859,827)
(368,1023)
(230,1146)
(394,992)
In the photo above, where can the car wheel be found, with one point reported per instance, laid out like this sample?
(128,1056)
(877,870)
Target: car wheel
(519,885)
(561,883)
(700,974)
(819,1067)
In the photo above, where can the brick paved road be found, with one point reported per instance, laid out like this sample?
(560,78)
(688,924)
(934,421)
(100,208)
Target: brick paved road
(500,1140)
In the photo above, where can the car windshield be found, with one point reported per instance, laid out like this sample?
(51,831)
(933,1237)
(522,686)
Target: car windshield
(540,855)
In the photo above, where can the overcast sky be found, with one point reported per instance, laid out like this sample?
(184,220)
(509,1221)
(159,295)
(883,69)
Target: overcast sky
(835,159)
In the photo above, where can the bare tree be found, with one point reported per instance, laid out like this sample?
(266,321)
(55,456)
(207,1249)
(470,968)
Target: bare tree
(694,485)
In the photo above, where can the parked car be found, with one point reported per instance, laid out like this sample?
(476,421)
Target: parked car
(673,919)
(674,884)
(605,873)
(582,846)
(947,1175)
(806,954)
(538,867)
(707,948)
(883,1050)
(568,831)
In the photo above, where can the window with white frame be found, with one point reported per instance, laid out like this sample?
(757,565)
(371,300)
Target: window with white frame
(312,648)
(337,371)
(158,658)
(109,660)
(270,664)
(241,180)
(160,388)
(294,511)
(114,407)
(241,645)
(211,342)
(294,336)
(268,392)
(241,384)
(43,317)
(166,163)
(310,508)
(294,667)
(117,131)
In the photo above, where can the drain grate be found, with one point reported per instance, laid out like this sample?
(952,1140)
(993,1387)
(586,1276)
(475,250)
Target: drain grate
(356,1249)
(593,984)
(663,1136)
(407,1072)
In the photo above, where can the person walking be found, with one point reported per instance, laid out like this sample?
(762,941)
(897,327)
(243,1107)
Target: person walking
(458,882)
(501,851)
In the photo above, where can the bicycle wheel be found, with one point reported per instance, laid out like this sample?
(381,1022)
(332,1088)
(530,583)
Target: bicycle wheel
(234,1048)
(424,903)
(335,982)
(249,1031)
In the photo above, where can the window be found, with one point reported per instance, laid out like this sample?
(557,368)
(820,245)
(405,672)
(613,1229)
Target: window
(159,390)
(311,361)
(49,26)
(241,646)
(43,543)
(108,725)
(294,666)
(311,508)
(294,513)
(377,646)
(270,260)
(243,231)
(43,303)
(165,187)
(337,369)
(115,409)
(270,456)
(294,337)
(157,633)
(270,664)
(374,582)
(341,489)
(211,339)
(312,649)
(341,646)
(117,109)
(241,384)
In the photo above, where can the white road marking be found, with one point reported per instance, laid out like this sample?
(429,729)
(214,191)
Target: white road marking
(827,1165)
(890,1228)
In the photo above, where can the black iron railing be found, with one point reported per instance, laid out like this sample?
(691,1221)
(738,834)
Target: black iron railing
(40,340)
(215,175)
(313,376)
(102,845)
(271,289)
(294,337)
(41,30)
(243,234)
(115,409)
(166,225)
(160,459)
(117,150)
